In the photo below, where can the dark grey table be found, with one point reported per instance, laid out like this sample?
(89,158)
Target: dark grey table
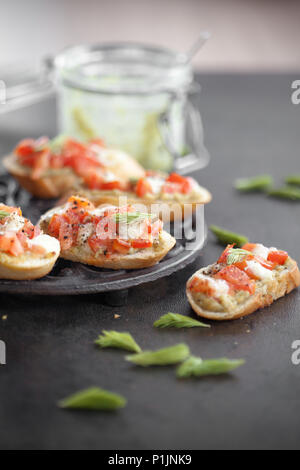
(251,127)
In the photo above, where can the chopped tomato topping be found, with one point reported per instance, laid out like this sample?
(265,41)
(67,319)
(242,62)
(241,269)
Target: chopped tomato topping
(141,244)
(121,246)
(265,264)
(223,257)
(201,285)
(179,184)
(10,243)
(25,148)
(249,246)
(236,278)
(278,257)
(143,187)
(66,235)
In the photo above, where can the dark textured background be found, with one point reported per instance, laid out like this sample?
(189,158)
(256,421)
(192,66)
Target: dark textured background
(251,127)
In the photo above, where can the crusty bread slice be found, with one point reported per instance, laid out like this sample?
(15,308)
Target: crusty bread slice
(55,183)
(287,280)
(140,259)
(165,209)
(51,186)
(27,266)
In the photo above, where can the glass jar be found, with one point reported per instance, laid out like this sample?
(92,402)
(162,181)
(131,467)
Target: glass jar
(137,98)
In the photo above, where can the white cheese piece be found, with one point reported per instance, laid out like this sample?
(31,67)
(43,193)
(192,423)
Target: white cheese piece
(259,271)
(50,244)
(156,184)
(261,250)
(219,286)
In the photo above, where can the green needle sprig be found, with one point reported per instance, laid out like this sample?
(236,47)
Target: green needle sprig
(161,357)
(196,367)
(93,398)
(175,320)
(115,339)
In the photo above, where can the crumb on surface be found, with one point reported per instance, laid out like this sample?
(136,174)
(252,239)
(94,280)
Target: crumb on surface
(116,316)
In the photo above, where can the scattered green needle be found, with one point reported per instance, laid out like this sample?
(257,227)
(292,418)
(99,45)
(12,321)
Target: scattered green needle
(196,367)
(162,357)
(286,192)
(226,237)
(114,339)
(175,320)
(236,255)
(94,398)
(131,217)
(293,179)
(258,183)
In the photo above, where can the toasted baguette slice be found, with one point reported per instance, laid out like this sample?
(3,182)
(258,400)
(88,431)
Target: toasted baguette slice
(54,183)
(242,304)
(27,266)
(25,252)
(167,210)
(142,258)
(50,186)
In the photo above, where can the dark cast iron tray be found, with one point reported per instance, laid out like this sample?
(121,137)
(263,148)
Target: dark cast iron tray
(68,278)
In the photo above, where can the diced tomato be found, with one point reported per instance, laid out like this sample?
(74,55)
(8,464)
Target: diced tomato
(41,163)
(266,264)
(143,187)
(25,148)
(175,178)
(121,246)
(182,184)
(93,180)
(112,185)
(278,257)
(97,243)
(223,257)
(29,229)
(67,236)
(238,279)
(54,225)
(201,285)
(9,243)
(141,244)
(249,246)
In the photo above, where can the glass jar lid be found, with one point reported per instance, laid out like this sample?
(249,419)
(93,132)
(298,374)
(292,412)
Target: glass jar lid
(126,68)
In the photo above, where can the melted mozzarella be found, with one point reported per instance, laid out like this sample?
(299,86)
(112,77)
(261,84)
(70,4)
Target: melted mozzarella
(156,184)
(259,271)
(50,244)
(261,250)
(219,286)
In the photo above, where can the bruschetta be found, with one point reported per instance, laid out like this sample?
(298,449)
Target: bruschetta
(242,281)
(171,197)
(25,251)
(48,169)
(107,237)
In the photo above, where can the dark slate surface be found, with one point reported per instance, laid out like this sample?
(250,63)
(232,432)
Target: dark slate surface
(251,127)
